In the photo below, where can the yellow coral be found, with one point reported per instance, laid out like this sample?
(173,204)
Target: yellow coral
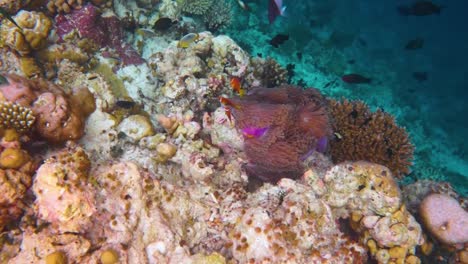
(35,28)
(12,158)
(29,67)
(56,258)
(109,257)
(15,116)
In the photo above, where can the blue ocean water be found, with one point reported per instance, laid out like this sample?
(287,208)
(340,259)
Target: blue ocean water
(426,88)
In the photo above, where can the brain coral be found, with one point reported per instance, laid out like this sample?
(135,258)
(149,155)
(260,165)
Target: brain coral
(280,127)
(363,135)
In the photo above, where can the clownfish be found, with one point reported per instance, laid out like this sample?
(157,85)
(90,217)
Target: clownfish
(236,86)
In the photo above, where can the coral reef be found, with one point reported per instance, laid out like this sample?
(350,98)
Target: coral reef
(140,164)
(280,126)
(363,135)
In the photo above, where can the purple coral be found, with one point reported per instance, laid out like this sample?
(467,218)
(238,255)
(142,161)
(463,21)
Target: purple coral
(104,30)
(282,125)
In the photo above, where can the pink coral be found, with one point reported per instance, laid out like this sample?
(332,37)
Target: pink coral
(63,196)
(59,116)
(293,121)
(445,218)
(19,90)
(104,30)
(56,120)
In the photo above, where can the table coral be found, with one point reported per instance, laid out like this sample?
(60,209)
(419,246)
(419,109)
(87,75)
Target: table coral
(35,28)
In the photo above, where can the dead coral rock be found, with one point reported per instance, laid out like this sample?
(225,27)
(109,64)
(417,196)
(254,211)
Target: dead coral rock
(445,218)
(362,187)
(64,198)
(13,186)
(363,135)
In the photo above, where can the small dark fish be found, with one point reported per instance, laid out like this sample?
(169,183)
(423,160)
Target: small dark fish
(420,8)
(355,78)
(125,104)
(362,42)
(299,55)
(8,16)
(259,55)
(415,44)
(352,61)
(328,84)
(420,76)
(279,39)
(163,23)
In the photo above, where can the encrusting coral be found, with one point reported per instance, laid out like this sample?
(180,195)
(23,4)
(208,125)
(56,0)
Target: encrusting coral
(280,126)
(363,135)
(35,28)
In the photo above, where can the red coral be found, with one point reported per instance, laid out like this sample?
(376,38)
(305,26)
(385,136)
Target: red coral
(104,30)
(289,120)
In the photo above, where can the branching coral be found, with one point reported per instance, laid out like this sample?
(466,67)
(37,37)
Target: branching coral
(196,7)
(15,116)
(280,126)
(218,16)
(363,135)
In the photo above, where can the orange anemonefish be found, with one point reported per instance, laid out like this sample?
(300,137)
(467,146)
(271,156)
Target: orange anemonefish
(236,86)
